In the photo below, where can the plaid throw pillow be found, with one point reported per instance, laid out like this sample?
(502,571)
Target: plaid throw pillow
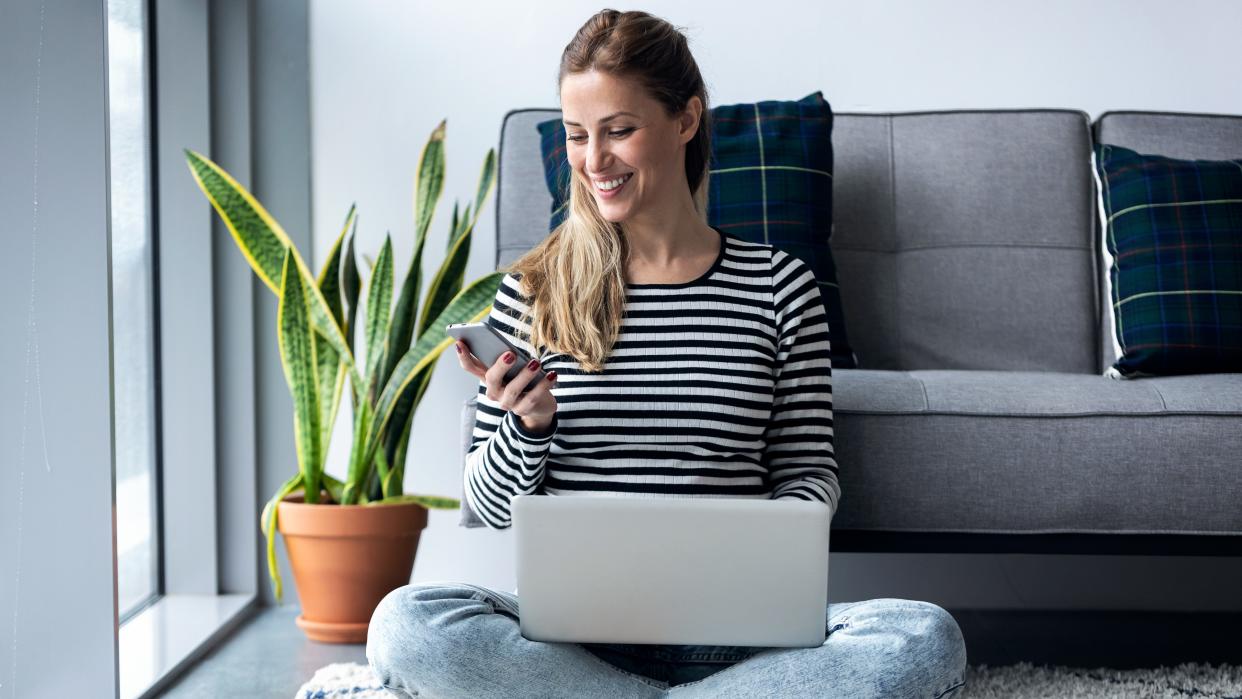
(770,182)
(1174,231)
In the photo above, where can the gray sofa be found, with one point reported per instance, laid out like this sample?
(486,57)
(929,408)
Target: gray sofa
(967,246)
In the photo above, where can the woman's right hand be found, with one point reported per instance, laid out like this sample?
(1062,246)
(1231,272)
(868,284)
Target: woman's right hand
(536,407)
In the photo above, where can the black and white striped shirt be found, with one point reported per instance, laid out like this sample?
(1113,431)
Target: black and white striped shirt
(717,387)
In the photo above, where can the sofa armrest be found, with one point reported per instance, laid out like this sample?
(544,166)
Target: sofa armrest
(468,517)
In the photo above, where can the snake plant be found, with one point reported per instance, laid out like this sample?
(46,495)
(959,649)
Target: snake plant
(316,320)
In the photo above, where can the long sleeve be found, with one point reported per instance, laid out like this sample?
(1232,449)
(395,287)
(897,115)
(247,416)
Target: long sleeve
(504,459)
(798,451)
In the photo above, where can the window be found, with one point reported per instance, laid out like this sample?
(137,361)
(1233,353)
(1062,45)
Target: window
(133,310)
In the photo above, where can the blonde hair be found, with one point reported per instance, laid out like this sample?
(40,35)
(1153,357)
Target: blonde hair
(575,277)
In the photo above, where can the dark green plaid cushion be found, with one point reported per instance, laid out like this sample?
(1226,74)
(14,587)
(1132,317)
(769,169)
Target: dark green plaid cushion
(770,183)
(1174,230)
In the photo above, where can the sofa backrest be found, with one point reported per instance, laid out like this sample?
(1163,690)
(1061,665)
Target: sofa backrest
(523,203)
(1173,134)
(963,239)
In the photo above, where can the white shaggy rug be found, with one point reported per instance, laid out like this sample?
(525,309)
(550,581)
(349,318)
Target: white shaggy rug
(1021,681)
(343,680)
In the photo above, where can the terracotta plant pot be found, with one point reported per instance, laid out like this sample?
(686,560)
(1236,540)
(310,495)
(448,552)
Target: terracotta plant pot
(345,558)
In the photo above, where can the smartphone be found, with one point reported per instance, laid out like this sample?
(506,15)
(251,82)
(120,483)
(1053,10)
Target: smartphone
(488,343)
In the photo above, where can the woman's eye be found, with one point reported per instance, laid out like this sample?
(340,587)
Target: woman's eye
(621,132)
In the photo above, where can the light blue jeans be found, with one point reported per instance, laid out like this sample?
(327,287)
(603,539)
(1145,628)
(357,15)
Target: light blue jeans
(441,640)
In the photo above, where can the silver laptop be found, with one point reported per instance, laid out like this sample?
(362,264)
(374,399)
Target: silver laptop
(701,571)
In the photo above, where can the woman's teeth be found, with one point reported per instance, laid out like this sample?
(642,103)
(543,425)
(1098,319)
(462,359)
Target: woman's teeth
(607,186)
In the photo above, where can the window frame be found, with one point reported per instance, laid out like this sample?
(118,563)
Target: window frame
(199,64)
(155,545)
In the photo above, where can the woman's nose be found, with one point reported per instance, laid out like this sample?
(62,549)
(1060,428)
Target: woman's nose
(597,157)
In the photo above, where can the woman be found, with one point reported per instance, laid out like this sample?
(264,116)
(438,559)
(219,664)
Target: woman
(717,384)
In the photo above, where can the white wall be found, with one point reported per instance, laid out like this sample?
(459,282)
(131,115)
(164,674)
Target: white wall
(383,74)
(58,466)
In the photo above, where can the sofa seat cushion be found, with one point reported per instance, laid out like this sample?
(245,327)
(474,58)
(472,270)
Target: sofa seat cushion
(1037,452)
(1030,452)
(1000,393)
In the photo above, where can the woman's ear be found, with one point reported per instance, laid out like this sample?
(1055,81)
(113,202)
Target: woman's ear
(690,119)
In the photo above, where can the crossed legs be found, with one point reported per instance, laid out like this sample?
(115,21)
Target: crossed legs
(443,640)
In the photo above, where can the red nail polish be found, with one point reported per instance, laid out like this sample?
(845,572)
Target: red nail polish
(532,364)
(508,357)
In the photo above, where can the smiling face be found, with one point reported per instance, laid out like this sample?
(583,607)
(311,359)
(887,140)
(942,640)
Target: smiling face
(640,145)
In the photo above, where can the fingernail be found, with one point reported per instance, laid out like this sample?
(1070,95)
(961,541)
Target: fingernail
(532,364)
(508,357)
(458,348)
(552,376)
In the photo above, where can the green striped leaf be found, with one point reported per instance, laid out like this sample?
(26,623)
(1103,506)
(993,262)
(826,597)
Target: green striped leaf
(453,228)
(330,381)
(407,405)
(473,304)
(379,312)
(263,242)
(296,338)
(429,180)
(428,186)
(402,328)
(330,369)
(447,282)
(329,280)
(449,278)
(487,178)
(333,486)
(352,285)
(359,460)
(267,522)
(429,501)
(398,450)
(462,225)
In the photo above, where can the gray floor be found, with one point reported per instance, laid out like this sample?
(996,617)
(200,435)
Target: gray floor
(269,656)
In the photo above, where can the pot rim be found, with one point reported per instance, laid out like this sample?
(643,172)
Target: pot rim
(400,519)
(296,499)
